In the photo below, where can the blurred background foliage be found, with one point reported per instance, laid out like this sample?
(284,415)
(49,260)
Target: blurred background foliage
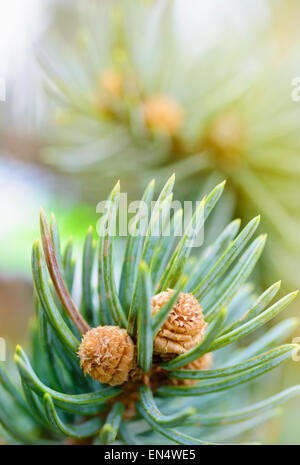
(128,100)
(104,90)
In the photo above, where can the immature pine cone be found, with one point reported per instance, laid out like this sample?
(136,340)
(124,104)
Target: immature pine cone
(107,354)
(112,82)
(226,137)
(164,114)
(184,327)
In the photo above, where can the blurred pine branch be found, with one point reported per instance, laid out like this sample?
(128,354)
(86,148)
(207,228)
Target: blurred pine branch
(131,99)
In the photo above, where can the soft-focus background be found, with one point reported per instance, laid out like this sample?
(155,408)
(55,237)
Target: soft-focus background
(96,91)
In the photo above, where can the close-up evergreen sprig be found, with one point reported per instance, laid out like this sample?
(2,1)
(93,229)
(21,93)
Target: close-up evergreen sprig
(155,349)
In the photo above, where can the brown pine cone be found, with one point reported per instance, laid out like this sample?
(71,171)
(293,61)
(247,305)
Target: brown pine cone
(184,327)
(107,354)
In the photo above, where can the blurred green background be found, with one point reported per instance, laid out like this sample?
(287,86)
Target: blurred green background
(103,90)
